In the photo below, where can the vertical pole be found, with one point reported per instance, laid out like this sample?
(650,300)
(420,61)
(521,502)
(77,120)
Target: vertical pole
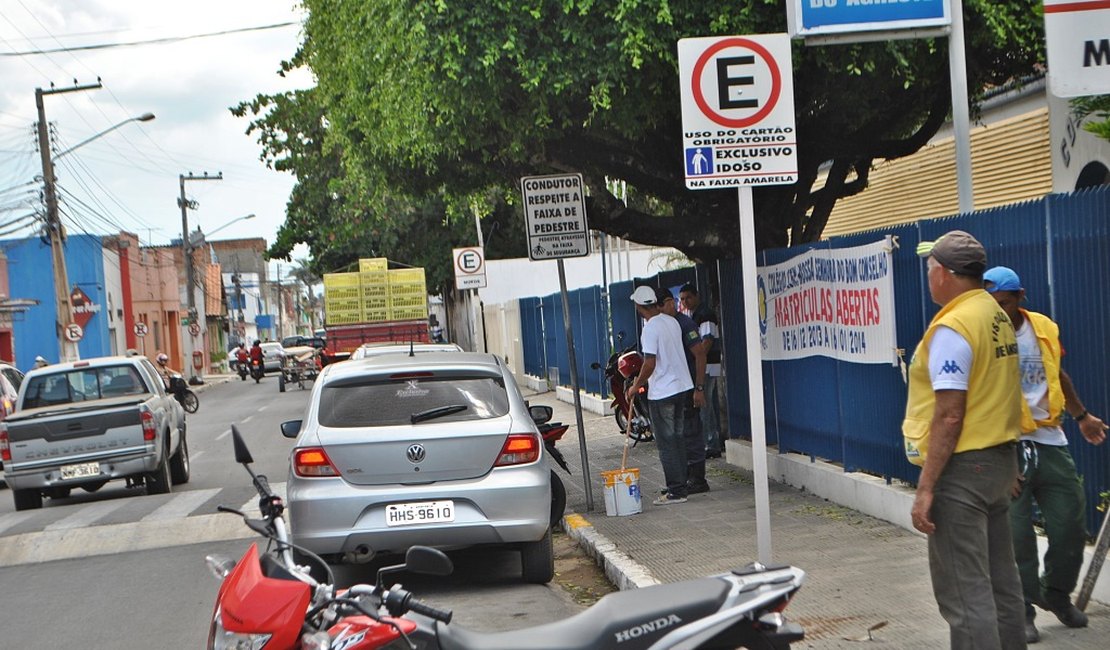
(477,326)
(574,387)
(605,294)
(961,120)
(190,298)
(280,306)
(67,350)
(755,374)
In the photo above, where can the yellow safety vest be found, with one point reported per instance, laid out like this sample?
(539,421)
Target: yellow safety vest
(994,400)
(1048,339)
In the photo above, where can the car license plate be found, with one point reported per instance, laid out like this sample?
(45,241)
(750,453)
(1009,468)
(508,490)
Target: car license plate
(426,512)
(81,470)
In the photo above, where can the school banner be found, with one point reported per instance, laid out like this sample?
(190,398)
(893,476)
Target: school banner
(834,303)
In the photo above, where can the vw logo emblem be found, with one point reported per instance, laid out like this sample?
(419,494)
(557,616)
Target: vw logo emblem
(415,453)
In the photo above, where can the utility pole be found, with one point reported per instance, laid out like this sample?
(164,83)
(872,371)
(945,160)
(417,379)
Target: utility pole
(187,250)
(280,306)
(67,350)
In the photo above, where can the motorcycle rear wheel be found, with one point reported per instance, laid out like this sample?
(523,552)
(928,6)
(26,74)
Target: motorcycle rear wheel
(190,402)
(558,499)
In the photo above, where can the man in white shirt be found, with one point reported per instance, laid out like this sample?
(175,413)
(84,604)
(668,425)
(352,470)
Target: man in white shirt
(668,391)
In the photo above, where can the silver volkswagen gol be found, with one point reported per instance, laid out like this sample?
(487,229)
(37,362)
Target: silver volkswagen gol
(434,449)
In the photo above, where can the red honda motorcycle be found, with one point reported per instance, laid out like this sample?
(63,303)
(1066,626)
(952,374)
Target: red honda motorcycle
(268,600)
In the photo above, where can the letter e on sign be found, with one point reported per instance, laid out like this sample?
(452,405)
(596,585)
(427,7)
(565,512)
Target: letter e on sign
(470,267)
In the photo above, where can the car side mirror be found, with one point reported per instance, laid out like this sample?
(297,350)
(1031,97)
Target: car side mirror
(428,561)
(540,413)
(242,454)
(291,428)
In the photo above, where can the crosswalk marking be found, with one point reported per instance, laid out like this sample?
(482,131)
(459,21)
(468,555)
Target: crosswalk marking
(13,519)
(247,419)
(181,504)
(224,435)
(87,515)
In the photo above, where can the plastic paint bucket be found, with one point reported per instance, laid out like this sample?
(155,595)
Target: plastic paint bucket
(622,492)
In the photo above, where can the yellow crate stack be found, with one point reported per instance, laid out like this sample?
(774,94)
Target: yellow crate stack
(342,298)
(374,288)
(373,264)
(408,295)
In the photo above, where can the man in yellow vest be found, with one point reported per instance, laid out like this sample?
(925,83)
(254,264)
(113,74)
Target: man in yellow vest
(963,415)
(1048,473)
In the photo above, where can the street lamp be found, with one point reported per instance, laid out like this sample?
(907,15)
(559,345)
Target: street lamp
(145,117)
(67,331)
(235,220)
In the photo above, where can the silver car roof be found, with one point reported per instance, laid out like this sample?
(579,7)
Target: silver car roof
(402,362)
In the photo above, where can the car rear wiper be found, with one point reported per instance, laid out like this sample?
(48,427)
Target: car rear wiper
(437,412)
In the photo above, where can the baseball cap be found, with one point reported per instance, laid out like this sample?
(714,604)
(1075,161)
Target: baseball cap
(644,295)
(1002,278)
(662,294)
(956,251)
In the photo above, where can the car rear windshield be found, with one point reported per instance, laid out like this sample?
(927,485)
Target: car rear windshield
(396,401)
(83,384)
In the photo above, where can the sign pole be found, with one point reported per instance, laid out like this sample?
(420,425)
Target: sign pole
(755,374)
(574,387)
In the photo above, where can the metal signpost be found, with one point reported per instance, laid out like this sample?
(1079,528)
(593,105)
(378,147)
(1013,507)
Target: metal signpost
(555,216)
(738,130)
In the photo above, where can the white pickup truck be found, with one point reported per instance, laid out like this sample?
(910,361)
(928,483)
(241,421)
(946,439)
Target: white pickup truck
(85,423)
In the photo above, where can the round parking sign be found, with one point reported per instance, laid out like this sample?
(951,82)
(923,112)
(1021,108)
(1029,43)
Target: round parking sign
(736,82)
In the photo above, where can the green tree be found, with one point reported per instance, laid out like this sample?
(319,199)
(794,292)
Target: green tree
(1097,106)
(458,100)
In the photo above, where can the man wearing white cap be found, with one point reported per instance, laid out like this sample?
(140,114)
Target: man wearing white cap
(963,420)
(1048,473)
(40,363)
(668,391)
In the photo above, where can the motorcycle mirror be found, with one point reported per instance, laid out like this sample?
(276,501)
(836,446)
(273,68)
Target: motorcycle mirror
(242,454)
(428,561)
(595,366)
(291,428)
(540,413)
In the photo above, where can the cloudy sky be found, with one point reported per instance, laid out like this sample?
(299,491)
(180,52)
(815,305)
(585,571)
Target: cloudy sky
(128,179)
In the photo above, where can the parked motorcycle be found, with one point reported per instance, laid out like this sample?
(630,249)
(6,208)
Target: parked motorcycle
(258,371)
(552,432)
(187,398)
(621,370)
(266,599)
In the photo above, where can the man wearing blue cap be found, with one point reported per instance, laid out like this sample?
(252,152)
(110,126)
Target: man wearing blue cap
(1048,473)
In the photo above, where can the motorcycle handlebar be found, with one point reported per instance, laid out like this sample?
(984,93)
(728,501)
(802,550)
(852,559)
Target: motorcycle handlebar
(263,486)
(398,601)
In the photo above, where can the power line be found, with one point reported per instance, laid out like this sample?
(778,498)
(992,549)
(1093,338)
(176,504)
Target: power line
(152,41)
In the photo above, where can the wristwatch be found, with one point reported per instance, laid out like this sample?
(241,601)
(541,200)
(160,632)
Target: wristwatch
(699,388)
(1079,418)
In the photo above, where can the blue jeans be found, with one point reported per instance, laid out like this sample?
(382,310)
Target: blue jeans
(666,422)
(710,425)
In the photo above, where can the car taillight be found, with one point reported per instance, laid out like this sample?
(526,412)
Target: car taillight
(312,461)
(147,418)
(5,451)
(519,448)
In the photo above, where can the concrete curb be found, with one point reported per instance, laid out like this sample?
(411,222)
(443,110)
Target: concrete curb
(620,568)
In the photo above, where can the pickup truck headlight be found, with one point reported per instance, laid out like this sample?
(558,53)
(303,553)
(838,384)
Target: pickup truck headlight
(221,639)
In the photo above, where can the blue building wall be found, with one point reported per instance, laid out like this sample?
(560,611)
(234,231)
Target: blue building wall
(31,275)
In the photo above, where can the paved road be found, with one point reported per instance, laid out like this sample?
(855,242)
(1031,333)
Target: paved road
(119,569)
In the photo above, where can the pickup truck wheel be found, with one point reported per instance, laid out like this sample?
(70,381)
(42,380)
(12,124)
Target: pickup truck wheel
(27,499)
(179,464)
(537,560)
(158,481)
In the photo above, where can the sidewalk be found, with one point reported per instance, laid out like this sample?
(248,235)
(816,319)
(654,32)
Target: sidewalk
(861,571)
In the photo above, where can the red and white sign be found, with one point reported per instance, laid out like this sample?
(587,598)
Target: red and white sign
(74,332)
(141,329)
(470,267)
(1077,38)
(83,307)
(737,111)
(194,329)
(833,303)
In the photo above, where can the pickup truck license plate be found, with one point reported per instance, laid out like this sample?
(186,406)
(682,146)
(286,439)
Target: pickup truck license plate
(425,512)
(81,470)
